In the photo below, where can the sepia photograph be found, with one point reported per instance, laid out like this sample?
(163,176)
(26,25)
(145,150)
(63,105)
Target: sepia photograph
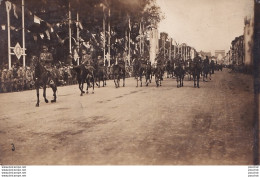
(129,82)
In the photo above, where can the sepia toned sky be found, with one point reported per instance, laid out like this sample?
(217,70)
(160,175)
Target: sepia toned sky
(206,25)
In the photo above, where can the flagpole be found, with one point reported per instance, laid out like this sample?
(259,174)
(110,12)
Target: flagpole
(69,29)
(23,33)
(104,31)
(140,41)
(129,39)
(78,34)
(109,33)
(164,47)
(8,8)
(143,38)
(170,53)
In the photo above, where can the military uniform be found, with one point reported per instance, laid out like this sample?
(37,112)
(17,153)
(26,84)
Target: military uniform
(46,58)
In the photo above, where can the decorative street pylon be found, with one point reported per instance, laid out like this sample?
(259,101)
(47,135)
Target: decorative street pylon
(18,51)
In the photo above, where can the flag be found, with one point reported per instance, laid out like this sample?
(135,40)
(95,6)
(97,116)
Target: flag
(48,34)
(36,19)
(79,25)
(12,28)
(35,37)
(42,35)
(59,39)
(15,14)
(3,27)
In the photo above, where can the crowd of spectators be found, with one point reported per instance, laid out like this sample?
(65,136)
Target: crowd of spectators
(20,78)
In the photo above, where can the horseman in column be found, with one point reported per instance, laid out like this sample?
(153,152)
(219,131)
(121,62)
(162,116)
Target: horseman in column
(87,60)
(46,60)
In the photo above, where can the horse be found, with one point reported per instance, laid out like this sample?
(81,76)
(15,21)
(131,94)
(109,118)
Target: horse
(85,74)
(148,73)
(101,75)
(44,77)
(206,70)
(188,68)
(179,71)
(169,69)
(116,74)
(158,74)
(139,67)
(196,70)
(122,71)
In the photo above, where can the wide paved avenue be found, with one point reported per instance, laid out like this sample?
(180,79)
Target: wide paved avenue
(132,126)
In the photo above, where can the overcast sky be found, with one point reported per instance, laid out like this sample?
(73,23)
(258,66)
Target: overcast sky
(207,25)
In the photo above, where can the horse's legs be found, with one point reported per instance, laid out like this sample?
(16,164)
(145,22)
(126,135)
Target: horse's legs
(177,79)
(44,94)
(194,80)
(137,81)
(141,81)
(37,92)
(54,89)
(198,81)
(81,89)
(115,81)
(93,85)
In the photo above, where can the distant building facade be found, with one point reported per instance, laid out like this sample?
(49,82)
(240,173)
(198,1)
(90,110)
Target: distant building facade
(248,41)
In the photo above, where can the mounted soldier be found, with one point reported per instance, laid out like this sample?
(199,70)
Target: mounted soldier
(87,60)
(46,58)
(212,66)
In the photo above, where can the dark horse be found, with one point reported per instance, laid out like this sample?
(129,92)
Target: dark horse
(85,74)
(139,67)
(101,75)
(121,64)
(148,73)
(179,72)
(43,77)
(188,68)
(196,68)
(158,75)
(206,69)
(116,74)
(169,68)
